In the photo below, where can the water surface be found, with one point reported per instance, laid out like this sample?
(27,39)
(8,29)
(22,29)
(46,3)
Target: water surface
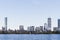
(29,36)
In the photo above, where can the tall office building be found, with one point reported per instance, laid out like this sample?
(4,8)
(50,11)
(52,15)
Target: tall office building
(6,23)
(49,22)
(58,23)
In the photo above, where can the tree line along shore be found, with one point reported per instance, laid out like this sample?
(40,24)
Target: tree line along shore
(29,32)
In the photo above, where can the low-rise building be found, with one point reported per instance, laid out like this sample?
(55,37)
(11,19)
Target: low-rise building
(39,29)
(21,28)
(55,29)
(30,28)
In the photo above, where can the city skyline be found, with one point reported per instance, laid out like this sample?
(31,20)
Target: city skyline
(47,25)
(29,12)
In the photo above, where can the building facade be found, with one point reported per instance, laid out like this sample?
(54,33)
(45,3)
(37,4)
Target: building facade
(30,28)
(6,23)
(21,28)
(49,23)
(58,23)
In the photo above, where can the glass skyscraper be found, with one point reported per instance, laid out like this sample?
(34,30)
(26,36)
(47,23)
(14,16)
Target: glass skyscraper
(6,23)
(49,23)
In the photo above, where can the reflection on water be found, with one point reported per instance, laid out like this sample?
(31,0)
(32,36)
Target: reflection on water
(29,37)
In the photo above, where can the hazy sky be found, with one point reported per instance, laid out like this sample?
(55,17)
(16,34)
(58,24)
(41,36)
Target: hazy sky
(29,12)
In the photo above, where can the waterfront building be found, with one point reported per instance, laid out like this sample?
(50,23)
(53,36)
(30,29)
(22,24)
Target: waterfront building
(55,29)
(21,28)
(5,23)
(37,29)
(45,27)
(3,28)
(49,24)
(58,23)
(30,28)
(41,28)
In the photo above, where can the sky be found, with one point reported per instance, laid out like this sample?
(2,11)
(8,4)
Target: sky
(29,12)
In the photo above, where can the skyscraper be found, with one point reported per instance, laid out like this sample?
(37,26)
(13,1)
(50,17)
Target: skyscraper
(6,23)
(49,23)
(58,23)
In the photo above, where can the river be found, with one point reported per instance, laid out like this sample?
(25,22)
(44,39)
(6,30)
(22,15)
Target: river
(29,36)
